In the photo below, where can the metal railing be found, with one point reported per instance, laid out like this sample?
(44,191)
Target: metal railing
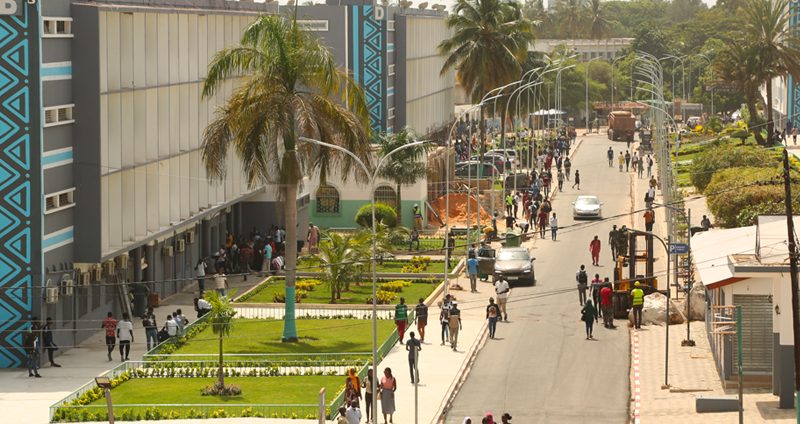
(137,412)
(277,311)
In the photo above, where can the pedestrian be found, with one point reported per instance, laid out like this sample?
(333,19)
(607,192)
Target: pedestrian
(597,284)
(590,127)
(413,346)
(594,249)
(607,304)
(612,242)
(560,178)
(649,219)
(577,179)
(492,312)
(553,226)
(627,160)
(401,318)
(49,344)
(794,136)
(421,318)
(639,166)
(637,300)
(621,160)
(705,223)
(125,336)
(342,416)
(488,419)
(510,220)
(444,318)
(610,155)
(30,342)
(649,166)
(221,281)
(653,182)
(567,167)
(506,418)
(583,284)
(494,222)
(110,326)
(509,204)
(150,328)
(472,272)
(203,307)
(352,392)
(200,274)
(181,321)
(312,237)
(353,413)
(417,222)
(542,221)
(467,420)
(589,316)
(515,203)
(454,324)
(367,385)
(502,290)
(170,326)
(267,264)
(386,395)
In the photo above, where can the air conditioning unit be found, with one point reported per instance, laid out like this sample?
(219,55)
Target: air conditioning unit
(51,294)
(97,274)
(85,278)
(180,245)
(190,237)
(167,251)
(122,261)
(109,267)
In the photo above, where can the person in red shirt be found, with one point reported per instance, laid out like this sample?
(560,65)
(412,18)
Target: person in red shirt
(594,248)
(110,325)
(542,218)
(607,305)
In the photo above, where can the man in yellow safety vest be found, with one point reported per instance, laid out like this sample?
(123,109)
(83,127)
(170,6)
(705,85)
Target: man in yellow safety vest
(637,296)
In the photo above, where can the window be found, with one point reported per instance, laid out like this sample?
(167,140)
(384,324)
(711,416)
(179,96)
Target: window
(327,199)
(314,26)
(391,113)
(56,27)
(386,195)
(391,69)
(58,115)
(390,25)
(59,201)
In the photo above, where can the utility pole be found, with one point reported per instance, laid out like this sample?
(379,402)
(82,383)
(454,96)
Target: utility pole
(793,276)
(689,281)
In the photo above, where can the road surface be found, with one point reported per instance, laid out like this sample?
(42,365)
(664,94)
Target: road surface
(541,369)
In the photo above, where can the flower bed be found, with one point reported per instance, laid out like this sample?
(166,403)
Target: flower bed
(360,293)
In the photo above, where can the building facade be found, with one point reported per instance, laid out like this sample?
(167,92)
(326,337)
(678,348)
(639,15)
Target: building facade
(587,49)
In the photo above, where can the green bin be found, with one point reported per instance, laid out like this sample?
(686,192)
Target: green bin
(513,239)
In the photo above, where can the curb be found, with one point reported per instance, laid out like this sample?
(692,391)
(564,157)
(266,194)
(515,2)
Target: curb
(635,371)
(456,385)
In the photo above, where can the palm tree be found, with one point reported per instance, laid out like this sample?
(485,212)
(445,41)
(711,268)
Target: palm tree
(290,87)
(220,318)
(599,26)
(738,64)
(572,17)
(489,43)
(340,258)
(766,26)
(403,167)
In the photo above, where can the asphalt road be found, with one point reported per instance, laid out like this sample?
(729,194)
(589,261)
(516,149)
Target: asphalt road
(541,368)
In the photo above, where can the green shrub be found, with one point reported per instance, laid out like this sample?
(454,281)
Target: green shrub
(307,285)
(383,213)
(736,191)
(394,286)
(723,157)
(384,297)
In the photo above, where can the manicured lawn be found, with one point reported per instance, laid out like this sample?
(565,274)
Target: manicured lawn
(358,294)
(266,390)
(316,336)
(397,266)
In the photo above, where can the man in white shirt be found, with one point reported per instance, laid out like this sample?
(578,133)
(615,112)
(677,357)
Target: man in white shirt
(181,321)
(125,336)
(221,283)
(502,289)
(171,326)
(353,414)
(202,307)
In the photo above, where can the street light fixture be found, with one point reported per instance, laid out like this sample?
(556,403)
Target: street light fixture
(372,178)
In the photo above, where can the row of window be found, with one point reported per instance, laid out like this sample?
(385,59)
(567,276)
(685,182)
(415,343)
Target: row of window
(59,201)
(56,27)
(58,115)
(328,199)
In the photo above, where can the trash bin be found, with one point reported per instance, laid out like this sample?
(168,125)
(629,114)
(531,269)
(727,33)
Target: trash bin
(513,239)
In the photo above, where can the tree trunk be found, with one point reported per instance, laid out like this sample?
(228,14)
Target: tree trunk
(221,369)
(751,108)
(770,124)
(290,208)
(399,199)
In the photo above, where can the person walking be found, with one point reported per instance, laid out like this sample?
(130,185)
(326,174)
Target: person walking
(515,203)
(312,237)
(367,385)
(553,227)
(637,300)
(502,290)
(621,160)
(125,336)
(267,257)
(472,272)
(649,166)
(610,155)
(595,287)
(492,313)
(589,317)
(386,395)
(170,326)
(594,249)
(705,223)
(649,219)
(49,343)
(413,238)
(444,318)
(401,318)
(567,167)
(110,326)
(421,318)
(353,413)
(220,281)
(560,178)
(200,274)
(583,284)
(627,160)
(454,325)
(607,305)
(505,418)
(150,328)
(30,343)
(413,346)
(577,179)
(542,221)
(639,166)
(612,242)
(509,205)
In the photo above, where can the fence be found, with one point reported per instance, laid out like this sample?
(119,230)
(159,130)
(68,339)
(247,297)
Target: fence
(138,412)
(277,311)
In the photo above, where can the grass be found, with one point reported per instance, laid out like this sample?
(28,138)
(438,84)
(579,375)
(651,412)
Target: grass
(397,266)
(426,245)
(264,390)
(358,294)
(315,336)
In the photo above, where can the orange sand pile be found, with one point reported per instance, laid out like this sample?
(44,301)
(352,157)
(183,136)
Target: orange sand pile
(458,209)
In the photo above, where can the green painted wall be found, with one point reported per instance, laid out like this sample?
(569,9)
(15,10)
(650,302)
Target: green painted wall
(347,213)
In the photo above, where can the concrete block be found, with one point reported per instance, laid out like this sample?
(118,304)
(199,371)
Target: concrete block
(716,404)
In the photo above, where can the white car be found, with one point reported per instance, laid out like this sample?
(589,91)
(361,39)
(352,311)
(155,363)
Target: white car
(587,207)
(511,153)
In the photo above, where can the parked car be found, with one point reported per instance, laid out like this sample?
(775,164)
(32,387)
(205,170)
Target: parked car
(522,181)
(515,265)
(494,159)
(587,207)
(474,169)
(511,153)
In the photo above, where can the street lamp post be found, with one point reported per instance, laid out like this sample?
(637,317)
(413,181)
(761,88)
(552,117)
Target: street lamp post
(372,178)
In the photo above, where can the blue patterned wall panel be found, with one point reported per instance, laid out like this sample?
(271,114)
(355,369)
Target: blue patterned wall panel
(793,95)
(18,128)
(367,62)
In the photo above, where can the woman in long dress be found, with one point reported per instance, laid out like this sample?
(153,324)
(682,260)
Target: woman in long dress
(388,387)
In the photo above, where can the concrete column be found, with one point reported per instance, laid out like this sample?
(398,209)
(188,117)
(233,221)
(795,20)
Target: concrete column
(136,263)
(238,210)
(776,363)
(786,376)
(205,238)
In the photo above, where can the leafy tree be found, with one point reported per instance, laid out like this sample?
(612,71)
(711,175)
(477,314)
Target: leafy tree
(220,318)
(340,257)
(291,87)
(733,190)
(572,16)
(405,166)
(384,214)
(651,40)
(704,166)
(600,26)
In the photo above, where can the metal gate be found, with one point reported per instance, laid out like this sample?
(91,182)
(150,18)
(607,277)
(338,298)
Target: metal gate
(756,333)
